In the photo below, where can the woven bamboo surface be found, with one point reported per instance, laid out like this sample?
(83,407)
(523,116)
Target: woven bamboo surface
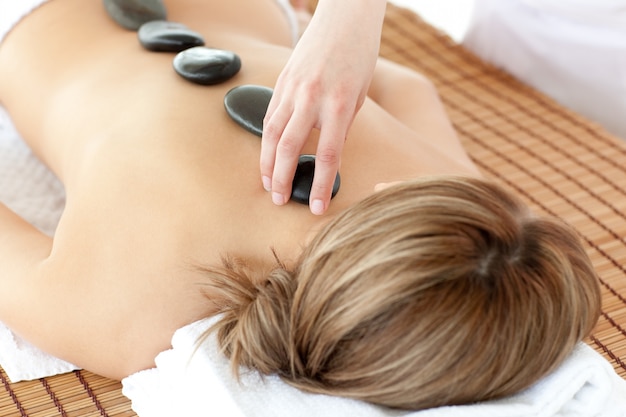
(559,162)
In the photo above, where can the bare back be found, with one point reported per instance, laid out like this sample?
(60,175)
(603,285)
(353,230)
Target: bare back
(159,179)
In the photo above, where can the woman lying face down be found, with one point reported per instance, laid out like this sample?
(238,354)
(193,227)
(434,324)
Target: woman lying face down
(441,288)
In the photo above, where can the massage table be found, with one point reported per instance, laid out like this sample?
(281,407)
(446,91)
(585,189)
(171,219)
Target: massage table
(560,163)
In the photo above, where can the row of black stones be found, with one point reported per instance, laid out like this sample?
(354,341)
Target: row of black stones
(194,61)
(246,104)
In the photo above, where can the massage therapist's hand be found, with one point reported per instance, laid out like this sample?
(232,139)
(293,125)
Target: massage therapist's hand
(322,86)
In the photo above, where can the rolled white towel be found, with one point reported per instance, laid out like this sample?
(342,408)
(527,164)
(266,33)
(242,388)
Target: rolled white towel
(200,383)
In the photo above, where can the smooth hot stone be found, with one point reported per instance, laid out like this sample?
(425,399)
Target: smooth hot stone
(163,36)
(202,65)
(131,14)
(247,105)
(303,180)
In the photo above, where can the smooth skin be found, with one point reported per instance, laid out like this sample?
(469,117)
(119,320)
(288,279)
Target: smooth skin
(159,180)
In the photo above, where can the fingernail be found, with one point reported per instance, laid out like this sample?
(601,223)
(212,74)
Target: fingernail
(278,199)
(267,183)
(317,207)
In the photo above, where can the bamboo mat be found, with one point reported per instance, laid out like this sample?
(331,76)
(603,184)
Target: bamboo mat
(560,163)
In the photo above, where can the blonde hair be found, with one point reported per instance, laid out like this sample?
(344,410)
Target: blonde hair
(437,291)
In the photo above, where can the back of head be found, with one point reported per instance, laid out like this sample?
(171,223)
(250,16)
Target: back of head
(432,292)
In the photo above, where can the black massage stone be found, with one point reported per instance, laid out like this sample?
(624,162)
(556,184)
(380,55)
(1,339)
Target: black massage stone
(247,105)
(303,180)
(163,36)
(206,66)
(131,14)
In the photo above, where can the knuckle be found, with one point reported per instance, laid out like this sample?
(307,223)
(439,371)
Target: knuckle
(271,131)
(280,185)
(288,146)
(328,157)
(312,88)
(321,190)
(341,105)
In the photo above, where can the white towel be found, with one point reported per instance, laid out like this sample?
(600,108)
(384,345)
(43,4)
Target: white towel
(23,362)
(32,191)
(202,384)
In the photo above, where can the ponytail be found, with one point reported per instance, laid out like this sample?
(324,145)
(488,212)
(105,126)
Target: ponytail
(254,328)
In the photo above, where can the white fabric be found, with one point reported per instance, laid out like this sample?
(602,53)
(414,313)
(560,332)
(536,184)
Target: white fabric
(12,11)
(32,191)
(23,362)
(292,19)
(202,384)
(597,12)
(572,50)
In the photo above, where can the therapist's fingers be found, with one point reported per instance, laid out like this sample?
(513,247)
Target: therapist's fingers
(328,160)
(288,150)
(274,124)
